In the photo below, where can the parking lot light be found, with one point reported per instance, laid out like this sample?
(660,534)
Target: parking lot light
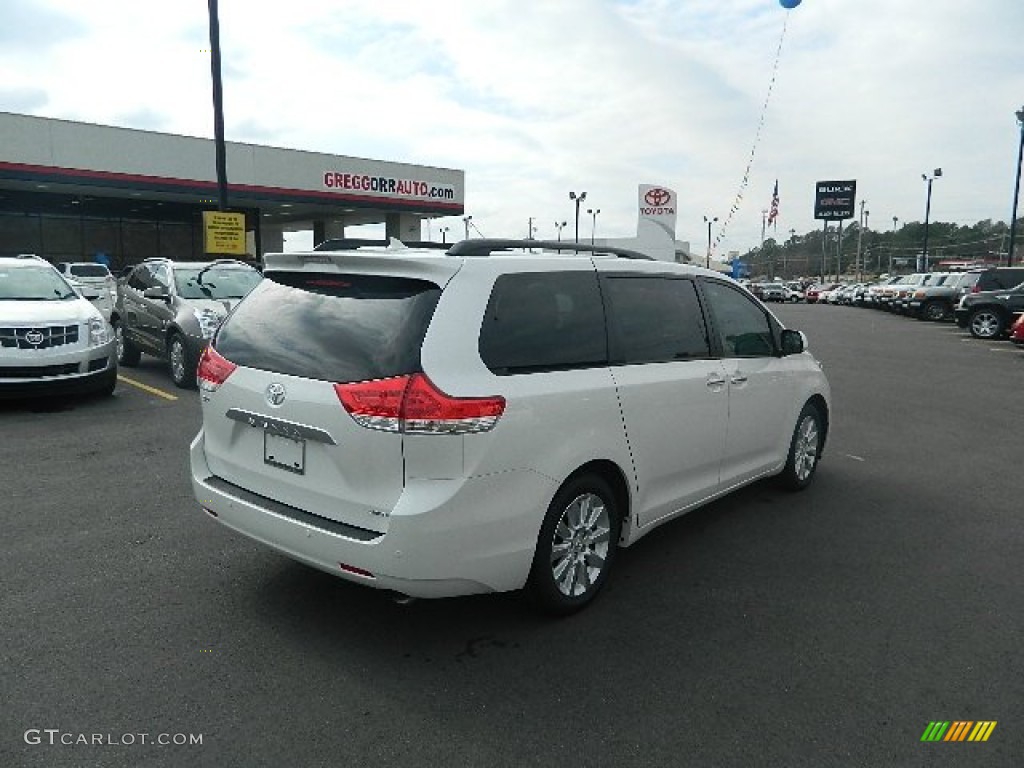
(1016,190)
(927,213)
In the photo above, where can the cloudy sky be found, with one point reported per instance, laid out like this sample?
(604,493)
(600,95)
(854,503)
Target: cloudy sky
(533,99)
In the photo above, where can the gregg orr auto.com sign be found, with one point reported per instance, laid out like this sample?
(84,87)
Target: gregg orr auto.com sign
(387,186)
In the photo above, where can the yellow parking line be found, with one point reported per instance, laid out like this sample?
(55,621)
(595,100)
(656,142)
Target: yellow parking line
(147,388)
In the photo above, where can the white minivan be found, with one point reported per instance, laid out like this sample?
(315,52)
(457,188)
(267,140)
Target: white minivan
(485,419)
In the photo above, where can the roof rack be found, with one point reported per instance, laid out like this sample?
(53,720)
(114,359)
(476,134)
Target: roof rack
(485,247)
(355,243)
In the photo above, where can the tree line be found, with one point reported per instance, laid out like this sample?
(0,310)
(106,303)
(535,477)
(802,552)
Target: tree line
(895,250)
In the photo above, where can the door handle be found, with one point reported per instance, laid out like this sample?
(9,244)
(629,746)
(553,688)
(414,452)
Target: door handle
(738,378)
(715,381)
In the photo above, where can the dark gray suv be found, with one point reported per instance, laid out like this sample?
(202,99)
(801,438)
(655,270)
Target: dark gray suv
(171,310)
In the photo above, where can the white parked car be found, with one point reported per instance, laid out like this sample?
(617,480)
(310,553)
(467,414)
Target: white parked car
(95,281)
(443,423)
(52,341)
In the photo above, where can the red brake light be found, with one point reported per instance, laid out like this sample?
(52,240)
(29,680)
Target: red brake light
(374,404)
(975,288)
(412,404)
(213,369)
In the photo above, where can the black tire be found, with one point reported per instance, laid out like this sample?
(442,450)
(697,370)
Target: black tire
(183,368)
(127,353)
(986,323)
(935,311)
(804,449)
(108,385)
(569,549)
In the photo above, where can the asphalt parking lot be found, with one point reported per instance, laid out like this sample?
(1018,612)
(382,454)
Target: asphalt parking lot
(826,628)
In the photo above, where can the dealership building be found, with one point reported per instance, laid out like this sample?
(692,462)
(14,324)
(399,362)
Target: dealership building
(74,191)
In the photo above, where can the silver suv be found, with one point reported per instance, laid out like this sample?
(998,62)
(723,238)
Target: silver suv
(443,423)
(52,340)
(171,310)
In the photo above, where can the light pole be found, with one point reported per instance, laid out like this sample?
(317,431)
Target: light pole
(593,224)
(218,107)
(792,238)
(578,199)
(465,223)
(860,238)
(927,214)
(559,225)
(1016,190)
(709,222)
(895,221)
(866,250)
(444,234)
(764,224)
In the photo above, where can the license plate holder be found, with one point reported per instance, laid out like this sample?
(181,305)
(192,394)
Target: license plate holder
(284,452)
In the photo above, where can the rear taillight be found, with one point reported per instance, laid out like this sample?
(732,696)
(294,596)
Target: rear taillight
(213,370)
(975,288)
(412,404)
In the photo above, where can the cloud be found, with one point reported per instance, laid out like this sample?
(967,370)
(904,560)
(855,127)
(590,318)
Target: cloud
(24,100)
(535,99)
(29,26)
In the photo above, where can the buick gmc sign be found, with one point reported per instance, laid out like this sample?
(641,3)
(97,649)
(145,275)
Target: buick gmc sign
(834,199)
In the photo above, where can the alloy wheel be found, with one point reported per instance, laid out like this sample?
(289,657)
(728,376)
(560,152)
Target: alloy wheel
(579,547)
(806,453)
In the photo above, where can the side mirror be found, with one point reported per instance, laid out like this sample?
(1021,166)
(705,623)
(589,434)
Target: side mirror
(793,342)
(157,292)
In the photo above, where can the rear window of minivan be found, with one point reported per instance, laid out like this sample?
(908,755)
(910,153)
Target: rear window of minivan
(333,327)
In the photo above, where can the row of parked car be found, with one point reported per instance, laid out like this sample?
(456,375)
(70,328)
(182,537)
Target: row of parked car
(989,302)
(65,328)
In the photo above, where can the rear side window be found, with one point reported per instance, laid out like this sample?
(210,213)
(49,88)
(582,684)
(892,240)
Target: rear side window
(654,320)
(1001,279)
(337,328)
(543,321)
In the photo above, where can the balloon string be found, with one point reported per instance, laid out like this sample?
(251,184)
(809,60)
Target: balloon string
(757,140)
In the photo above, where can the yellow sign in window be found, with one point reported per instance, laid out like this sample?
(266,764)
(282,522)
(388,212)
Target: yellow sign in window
(224,233)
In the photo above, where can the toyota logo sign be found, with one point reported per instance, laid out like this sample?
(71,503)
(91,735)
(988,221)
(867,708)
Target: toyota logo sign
(657,197)
(35,337)
(276,394)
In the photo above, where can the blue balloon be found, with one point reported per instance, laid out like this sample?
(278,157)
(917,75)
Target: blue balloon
(789,4)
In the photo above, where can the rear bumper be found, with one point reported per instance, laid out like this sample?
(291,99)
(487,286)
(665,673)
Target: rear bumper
(444,537)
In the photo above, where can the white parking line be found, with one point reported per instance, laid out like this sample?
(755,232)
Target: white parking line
(855,458)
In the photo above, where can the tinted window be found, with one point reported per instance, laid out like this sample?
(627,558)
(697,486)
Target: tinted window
(141,278)
(741,325)
(543,321)
(1001,279)
(89,270)
(337,328)
(654,319)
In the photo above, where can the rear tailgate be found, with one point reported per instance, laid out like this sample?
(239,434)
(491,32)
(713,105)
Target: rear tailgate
(276,426)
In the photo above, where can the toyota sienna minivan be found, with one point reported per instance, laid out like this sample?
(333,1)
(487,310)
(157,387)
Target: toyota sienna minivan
(488,419)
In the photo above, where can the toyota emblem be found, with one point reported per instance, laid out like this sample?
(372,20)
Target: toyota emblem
(657,197)
(35,337)
(276,394)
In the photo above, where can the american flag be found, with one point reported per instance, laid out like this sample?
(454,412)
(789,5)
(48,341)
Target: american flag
(773,214)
